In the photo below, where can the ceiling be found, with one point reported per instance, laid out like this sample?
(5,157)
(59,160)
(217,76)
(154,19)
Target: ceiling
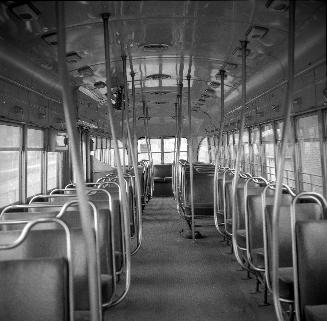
(200,37)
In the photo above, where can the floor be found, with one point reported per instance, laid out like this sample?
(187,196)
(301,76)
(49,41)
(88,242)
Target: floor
(176,279)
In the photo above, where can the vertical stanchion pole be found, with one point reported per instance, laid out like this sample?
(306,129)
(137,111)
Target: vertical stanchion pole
(134,115)
(281,163)
(219,146)
(175,158)
(105,18)
(134,162)
(68,104)
(190,153)
(239,156)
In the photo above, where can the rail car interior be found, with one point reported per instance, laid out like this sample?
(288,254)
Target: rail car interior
(163,160)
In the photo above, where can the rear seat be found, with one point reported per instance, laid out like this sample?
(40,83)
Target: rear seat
(162,177)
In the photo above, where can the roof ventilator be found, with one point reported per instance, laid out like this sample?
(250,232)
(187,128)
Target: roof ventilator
(214,84)
(85,71)
(25,11)
(50,38)
(256,32)
(277,5)
(155,47)
(99,84)
(73,57)
(158,76)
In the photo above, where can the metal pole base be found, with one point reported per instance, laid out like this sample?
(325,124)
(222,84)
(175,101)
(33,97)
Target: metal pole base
(188,235)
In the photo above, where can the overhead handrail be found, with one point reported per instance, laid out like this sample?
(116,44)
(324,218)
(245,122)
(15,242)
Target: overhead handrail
(68,104)
(105,18)
(23,235)
(281,163)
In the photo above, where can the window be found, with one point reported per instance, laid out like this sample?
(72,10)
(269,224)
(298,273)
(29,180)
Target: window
(10,147)
(231,150)
(34,148)
(162,150)
(203,152)
(268,144)
(246,152)
(289,177)
(310,175)
(156,150)
(255,152)
(54,170)
(169,147)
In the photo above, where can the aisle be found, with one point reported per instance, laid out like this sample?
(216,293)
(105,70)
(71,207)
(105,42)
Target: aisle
(176,280)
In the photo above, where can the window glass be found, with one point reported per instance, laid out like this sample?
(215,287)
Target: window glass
(34,138)
(255,152)
(34,171)
(246,151)
(143,156)
(203,152)
(10,136)
(183,155)
(310,157)
(168,158)
(142,146)
(53,172)
(289,177)
(155,145)
(231,150)
(236,136)
(269,161)
(268,145)
(184,145)
(267,133)
(9,177)
(169,144)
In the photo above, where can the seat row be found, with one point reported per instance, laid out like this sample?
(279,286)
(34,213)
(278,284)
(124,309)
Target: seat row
(43,260)
(278,247)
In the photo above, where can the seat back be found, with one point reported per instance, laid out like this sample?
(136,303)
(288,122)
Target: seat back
(52,243)
(311,240)
(33,289)
(304,211)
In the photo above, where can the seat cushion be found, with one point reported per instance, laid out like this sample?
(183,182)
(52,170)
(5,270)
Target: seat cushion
(241,238)
(316,312)
(106,287)
(258,256)
(286,281)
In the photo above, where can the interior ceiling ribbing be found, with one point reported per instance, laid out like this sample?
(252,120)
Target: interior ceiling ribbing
(207,31)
